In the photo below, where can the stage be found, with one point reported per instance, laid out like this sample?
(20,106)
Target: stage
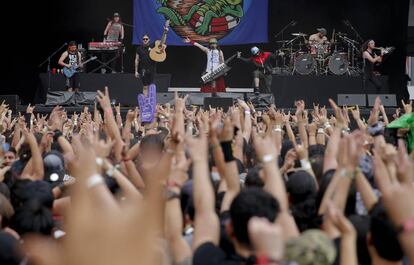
(285,89)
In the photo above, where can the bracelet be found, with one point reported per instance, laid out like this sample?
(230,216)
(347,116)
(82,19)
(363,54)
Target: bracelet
(110,171)
(406,227)
(214,146)
(99,161)
(172,183)
(94,181)
(265,260)
(170,151)
(56,135)
(347,174)
(305,164)
(108,111)
(227,151)
(277,130)
(268,158)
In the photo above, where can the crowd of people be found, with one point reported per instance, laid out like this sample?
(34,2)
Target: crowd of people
(207,186)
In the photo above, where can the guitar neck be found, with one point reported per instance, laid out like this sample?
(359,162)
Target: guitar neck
(164,35)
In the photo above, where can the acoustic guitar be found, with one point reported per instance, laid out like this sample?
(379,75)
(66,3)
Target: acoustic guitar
(158,53)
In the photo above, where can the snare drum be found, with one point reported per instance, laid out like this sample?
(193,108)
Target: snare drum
(320,49)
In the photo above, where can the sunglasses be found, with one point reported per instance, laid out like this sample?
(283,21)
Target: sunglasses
(145,39)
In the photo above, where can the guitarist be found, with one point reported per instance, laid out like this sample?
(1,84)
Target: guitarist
(215,57)
(67,59)
(145,67)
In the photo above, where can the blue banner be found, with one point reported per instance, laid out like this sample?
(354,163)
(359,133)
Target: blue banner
(229,21)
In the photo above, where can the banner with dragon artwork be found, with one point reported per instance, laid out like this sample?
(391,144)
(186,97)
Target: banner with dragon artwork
(229,21)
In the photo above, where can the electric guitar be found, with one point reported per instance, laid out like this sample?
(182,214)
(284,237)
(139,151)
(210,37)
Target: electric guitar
(70,71)
(158,53)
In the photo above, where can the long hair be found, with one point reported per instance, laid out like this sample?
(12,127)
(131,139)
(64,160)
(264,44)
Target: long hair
(364,46)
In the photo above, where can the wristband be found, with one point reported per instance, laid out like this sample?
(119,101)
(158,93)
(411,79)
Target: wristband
(56,135)
(321,131)
(192,42)
(265,260)
(99,161)
(172,183)
(247,112)
(327,125)
(406,227)
(305,164)
(227,151)
(108,111)
(268,158)
(110,171)
(347,174)
(94,181)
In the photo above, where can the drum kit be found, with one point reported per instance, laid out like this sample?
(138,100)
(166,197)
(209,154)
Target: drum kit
(339,56)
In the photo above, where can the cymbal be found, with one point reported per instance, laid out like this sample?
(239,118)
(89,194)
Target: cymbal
(299,34)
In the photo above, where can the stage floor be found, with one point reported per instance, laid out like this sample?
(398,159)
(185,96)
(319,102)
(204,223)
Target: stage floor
(286,89)
(319,89)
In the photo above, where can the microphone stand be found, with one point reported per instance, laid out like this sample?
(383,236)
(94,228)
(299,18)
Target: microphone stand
(291,23)
(348,23)
(48,59)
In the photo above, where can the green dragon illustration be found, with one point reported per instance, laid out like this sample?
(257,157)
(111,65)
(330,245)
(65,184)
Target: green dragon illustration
(208,10)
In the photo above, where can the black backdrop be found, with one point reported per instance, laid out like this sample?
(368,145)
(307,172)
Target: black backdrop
(39,27)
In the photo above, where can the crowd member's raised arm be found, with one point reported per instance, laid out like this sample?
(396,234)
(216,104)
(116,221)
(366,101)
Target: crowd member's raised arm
(397,198)
(300,115)
(348,247)
(206,220)
(112,127)
(231,175)
(356,114)
(215,147)
(126,130)
(267,154)
(36,161)
(247,125)
(179,248)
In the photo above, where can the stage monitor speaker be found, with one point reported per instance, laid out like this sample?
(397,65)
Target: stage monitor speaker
(261,101)
(11,100)
(216,102)
(164,98)
(61,98)
(388,100)
(85,98)
(352,99)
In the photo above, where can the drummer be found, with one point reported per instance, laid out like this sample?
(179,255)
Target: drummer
(319,37)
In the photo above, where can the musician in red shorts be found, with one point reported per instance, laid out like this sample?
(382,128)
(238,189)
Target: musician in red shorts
(215,57)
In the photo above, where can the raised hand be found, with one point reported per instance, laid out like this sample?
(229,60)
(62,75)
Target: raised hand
(408,107)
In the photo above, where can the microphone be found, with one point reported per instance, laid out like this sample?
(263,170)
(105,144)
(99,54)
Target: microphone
(293,23)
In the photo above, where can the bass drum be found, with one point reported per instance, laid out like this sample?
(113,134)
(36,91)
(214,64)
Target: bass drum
(305,64)
(338,64)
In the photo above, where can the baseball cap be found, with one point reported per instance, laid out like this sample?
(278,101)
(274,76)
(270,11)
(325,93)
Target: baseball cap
(254,50)
(116,14)
(322,30)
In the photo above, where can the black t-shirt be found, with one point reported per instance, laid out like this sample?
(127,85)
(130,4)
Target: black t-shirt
(209,254)
(145,61)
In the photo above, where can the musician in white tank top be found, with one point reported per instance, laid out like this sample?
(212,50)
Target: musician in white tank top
(215,57)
